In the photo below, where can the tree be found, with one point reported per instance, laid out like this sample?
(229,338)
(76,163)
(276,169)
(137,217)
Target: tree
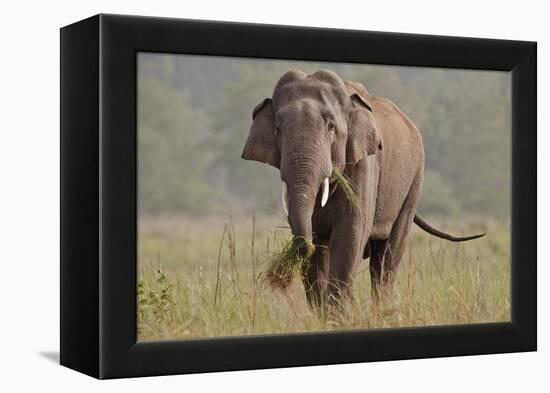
(172,155)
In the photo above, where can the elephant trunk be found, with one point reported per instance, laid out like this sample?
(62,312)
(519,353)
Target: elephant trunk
(300,211)
(299,215)
(303,180)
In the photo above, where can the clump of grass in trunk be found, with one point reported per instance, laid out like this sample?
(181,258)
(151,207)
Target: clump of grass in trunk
(283,265)
(347,186)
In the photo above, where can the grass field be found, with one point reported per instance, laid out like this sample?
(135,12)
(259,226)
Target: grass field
(204,278)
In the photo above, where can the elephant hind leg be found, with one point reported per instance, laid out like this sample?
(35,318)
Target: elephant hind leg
(366,251)
(386,254)
(377,250)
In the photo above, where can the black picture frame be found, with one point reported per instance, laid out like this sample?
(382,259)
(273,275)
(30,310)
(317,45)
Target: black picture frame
(98,196)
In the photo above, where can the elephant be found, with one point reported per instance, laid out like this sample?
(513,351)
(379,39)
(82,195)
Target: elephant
(314,124)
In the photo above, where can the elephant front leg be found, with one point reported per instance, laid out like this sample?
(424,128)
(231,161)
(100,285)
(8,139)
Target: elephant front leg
(315,274)
(346,247)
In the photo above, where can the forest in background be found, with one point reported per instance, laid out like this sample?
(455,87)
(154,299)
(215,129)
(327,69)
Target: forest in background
(194,114)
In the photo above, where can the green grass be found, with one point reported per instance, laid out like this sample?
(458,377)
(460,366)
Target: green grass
(348,187)
(206,278)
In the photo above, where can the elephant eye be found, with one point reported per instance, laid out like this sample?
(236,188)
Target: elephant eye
(330,126)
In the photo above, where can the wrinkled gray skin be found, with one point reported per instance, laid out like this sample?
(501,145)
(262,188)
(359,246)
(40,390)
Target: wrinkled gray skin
(318,122)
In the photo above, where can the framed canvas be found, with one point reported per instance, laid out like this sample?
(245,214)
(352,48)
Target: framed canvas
(176,253)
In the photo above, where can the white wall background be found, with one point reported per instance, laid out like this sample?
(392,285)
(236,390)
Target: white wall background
(29,224)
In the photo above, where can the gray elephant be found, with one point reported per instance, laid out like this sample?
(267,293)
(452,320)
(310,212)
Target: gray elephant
(319,122)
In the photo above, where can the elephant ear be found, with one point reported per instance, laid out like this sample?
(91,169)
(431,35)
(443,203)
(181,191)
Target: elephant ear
(261,144)
(362,137)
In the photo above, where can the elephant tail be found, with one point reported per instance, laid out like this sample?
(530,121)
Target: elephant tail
(432,231)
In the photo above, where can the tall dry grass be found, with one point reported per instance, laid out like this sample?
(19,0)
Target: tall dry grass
(205,278)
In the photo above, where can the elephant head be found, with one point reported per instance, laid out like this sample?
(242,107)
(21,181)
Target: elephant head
(309,127)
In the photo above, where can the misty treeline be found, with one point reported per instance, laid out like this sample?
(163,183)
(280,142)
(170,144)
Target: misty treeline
(194,114)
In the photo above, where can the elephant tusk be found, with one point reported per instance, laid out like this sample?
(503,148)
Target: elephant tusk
(324,198)
(284,198)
